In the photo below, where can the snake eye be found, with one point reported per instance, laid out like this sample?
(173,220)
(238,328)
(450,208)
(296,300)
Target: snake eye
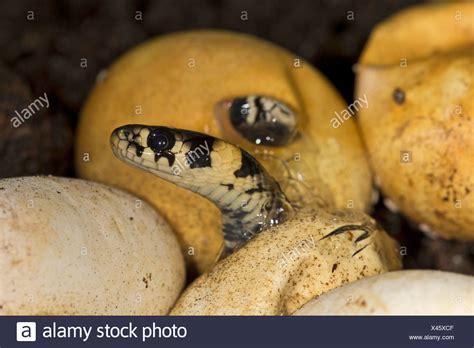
(160,140)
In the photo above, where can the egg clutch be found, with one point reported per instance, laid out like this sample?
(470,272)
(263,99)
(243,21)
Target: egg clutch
(244,184)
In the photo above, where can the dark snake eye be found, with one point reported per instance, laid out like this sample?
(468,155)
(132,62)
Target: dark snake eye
(160,140)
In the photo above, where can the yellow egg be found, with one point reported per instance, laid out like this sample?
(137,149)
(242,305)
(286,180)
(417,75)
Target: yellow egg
(281,269)
(178,80)
(417,74)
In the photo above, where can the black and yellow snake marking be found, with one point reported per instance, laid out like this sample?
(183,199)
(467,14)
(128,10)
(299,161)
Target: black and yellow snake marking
(248,197)
(262,120)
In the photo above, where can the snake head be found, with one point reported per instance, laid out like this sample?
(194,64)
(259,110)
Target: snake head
(261,120)
(177,155)
(149,148)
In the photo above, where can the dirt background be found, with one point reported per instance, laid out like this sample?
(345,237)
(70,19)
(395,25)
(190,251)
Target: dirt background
(44,55)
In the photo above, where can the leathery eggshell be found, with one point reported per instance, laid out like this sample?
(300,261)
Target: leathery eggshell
(410,292)
(282,268)
(177,81)
(73,247)
(419,124)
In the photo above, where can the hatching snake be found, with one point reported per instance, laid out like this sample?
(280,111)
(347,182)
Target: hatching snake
(249,198)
